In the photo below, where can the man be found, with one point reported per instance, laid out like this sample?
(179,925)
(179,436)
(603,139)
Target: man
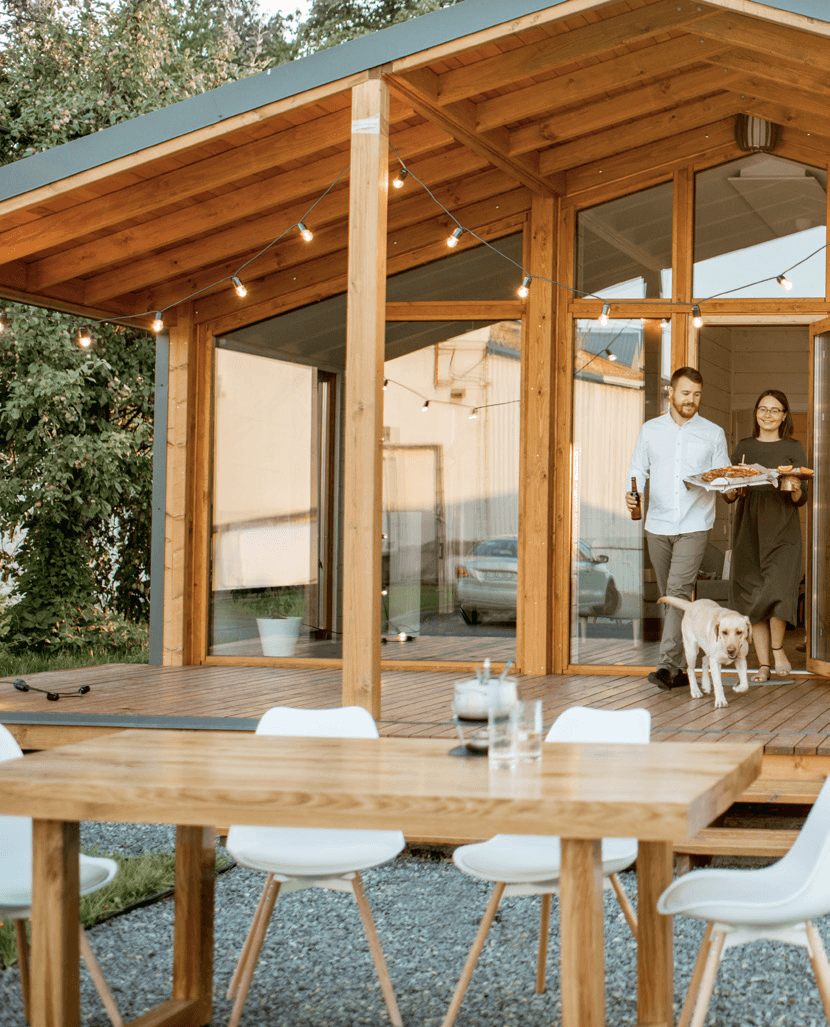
(670,448)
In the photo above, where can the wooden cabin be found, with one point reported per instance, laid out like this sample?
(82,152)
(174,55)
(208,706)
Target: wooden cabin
(472,248)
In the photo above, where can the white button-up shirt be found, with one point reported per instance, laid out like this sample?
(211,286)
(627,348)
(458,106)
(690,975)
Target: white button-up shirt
(667,452)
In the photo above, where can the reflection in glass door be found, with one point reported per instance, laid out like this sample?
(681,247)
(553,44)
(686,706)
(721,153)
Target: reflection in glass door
(818,654)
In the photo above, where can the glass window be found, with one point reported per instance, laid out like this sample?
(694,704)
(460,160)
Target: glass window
(624,246)
(450,491)
(621,372)
(755,218)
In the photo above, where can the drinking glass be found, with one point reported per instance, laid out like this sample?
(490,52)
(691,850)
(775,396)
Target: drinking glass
(529,730)
(501,736)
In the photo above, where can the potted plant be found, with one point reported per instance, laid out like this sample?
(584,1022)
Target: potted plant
(279,614)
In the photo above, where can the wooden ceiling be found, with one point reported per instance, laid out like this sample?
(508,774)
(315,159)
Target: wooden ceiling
(584,99)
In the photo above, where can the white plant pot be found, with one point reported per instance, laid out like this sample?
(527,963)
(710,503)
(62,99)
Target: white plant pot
(278,636)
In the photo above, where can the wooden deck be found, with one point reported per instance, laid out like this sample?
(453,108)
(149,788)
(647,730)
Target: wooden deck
(792,720)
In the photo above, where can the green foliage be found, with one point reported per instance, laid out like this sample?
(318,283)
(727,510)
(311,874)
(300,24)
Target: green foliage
(335,21)
(276,603)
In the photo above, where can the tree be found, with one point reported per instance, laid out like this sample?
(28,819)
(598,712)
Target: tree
(76,425)
(335,21)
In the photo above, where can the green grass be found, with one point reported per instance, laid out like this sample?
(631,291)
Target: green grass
(138,878)
(12,665)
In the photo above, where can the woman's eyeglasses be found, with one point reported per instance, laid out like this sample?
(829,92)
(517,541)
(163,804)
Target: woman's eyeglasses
(770,410)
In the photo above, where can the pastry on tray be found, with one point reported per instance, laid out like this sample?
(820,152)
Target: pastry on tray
(733,471)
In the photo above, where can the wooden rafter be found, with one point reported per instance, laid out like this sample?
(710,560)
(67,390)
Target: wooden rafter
(616,111)
(602,37)
(789,74)
(778,41)
(214,259)
(621,138)
(459,121)
(585,84)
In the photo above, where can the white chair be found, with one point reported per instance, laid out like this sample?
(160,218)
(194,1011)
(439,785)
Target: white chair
(777,903)
(530,864)
(302,857)
(16,891)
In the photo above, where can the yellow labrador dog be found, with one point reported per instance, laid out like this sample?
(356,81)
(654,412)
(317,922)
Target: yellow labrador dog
(723,635)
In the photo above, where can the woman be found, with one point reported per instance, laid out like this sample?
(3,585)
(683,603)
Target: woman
(766,549)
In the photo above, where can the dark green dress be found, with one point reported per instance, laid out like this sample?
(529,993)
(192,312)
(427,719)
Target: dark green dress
(766,548)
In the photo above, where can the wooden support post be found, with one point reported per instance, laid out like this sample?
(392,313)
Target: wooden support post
(655,952)
(536,449)
(176,590)
(55,940)
(193,928)
(683,337)
(582,968)
(365,334)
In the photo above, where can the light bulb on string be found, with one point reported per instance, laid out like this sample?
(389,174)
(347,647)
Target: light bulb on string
(158,323)
(84,337)
(697,320)
(524,288)
(304,231)
(425,407)
(398,180)
(2,320)
(473,414)
(385,383)
(609,355)
(239,287)
(452,241)
(603,317)
(784,282)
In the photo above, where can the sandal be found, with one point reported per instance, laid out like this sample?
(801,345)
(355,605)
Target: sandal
(786,667)
(761,677)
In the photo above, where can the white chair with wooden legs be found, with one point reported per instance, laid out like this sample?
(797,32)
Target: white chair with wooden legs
(300,857)
(776,903)
(16,891)
(530,864)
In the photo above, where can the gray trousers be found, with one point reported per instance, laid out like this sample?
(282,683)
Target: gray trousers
(676,560)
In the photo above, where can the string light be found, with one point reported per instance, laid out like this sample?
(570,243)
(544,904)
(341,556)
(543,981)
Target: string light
(610,355)
(85,337)
(697,319)
(158,323)
(240,288)
(603,317)
(398,181)
(2,320)
(385,383)
(304,231)
(425,407)
(524,288)
(784,282)
(452,241)
(473,414)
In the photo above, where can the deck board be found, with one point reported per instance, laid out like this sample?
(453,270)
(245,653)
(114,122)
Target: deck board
(789,719)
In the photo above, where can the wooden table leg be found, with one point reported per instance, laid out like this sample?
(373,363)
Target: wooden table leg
(55,988)
(193,930)
(581,943)
(655,946)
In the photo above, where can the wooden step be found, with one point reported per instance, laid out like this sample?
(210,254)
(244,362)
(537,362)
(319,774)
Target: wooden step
(733,841)
(782,790)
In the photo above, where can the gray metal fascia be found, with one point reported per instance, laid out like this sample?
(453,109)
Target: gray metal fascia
(324,67)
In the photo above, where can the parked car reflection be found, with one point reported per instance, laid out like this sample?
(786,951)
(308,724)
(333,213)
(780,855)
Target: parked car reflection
(486,581)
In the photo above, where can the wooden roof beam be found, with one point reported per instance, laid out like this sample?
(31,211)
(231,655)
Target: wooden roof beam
(140,199)
(621,138)
(589,83)
(208,216)
(227,249)
(619,109)
(655,159)
(459,120)
(416,244)
(566,48)
(789,74)
(778,41)
(803,110)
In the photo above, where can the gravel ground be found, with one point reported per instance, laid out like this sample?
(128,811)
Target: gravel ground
(426,913)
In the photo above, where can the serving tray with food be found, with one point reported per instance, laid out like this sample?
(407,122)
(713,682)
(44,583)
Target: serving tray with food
(736,476)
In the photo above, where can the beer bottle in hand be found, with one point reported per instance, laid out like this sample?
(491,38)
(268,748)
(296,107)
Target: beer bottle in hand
(637,512)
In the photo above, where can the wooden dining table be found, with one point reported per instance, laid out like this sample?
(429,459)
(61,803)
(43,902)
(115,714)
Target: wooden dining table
(659,793)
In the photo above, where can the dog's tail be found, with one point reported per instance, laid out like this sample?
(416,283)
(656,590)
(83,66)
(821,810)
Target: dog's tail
(681,604)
